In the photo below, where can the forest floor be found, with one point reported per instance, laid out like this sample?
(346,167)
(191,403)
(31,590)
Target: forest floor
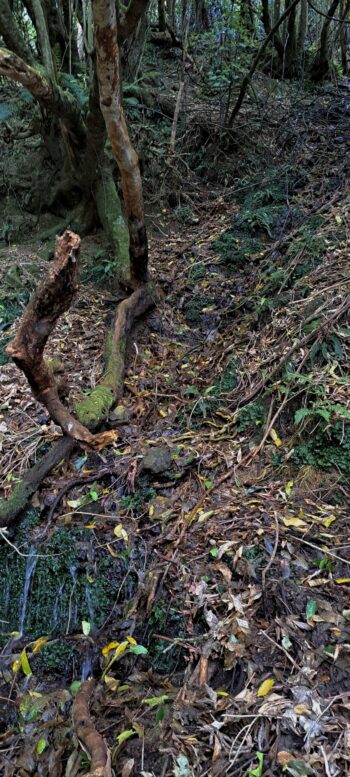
(214,533)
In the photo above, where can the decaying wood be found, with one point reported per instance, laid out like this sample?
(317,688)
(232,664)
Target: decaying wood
(93,411)
(25,488)
(91,741)
(52,298)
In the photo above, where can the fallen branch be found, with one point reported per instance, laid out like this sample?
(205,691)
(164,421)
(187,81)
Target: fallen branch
(25,488)
(52,298)
(93,409)
(90,740)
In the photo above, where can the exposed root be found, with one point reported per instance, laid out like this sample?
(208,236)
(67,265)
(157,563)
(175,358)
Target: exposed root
(94,408)
(91,741)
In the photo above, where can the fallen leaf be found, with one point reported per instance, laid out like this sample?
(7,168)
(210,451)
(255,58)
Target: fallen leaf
(266,687)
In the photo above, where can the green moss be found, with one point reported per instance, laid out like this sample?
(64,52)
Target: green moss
(68,581)
(17,501)
(115,365)
(111,215)
(95,407)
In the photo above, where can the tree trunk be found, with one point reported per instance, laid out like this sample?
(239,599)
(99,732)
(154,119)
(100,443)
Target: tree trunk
(201,16)
(161,16)
(11,33)
(321,64)
(43,37)
(301,37)
(108,73)
(290,47)
(267,27)
(343,36)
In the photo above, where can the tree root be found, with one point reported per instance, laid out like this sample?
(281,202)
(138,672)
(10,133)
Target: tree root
(94,408)
(91,741)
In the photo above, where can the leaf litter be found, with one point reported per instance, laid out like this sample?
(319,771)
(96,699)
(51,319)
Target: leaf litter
(232,656)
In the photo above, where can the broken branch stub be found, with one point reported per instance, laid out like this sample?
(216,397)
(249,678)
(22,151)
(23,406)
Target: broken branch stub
(52,298)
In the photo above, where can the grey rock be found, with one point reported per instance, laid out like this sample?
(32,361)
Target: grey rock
(157,460)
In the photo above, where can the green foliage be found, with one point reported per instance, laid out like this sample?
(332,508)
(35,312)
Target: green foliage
(251,416)
(99,267)
(167,620)
(197,272)
(70,582)
(195,308)
(143,494)
(185,214)
(309,246)
(326,447)
(234,250)
(213,397)
(77,89)
(257,219)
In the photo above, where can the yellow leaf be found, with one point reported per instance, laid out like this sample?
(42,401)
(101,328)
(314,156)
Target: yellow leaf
(329,520)
(163,413)
(342,580)
(204,516)
(38,644)
(131,641)
(274,436)
(289,487)
(120,532)
(151,511)
(25,663)
(120,650)
(109,647)
(265,687)
(111,682)
(222,693)
(16,665)
(291,520)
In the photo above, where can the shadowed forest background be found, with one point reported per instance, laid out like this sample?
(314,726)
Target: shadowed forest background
(174,373)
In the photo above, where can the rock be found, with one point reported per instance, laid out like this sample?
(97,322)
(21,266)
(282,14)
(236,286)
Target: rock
(157,460)
(120,415)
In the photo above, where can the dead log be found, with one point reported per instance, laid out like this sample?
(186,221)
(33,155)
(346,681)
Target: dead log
(91,741)
(11,508)
(93,409)
(52,298)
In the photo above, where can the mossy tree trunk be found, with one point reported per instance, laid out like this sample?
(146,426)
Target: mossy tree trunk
(109,79)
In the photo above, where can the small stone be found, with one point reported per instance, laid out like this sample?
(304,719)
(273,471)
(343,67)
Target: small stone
(120,415)
(157,460)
